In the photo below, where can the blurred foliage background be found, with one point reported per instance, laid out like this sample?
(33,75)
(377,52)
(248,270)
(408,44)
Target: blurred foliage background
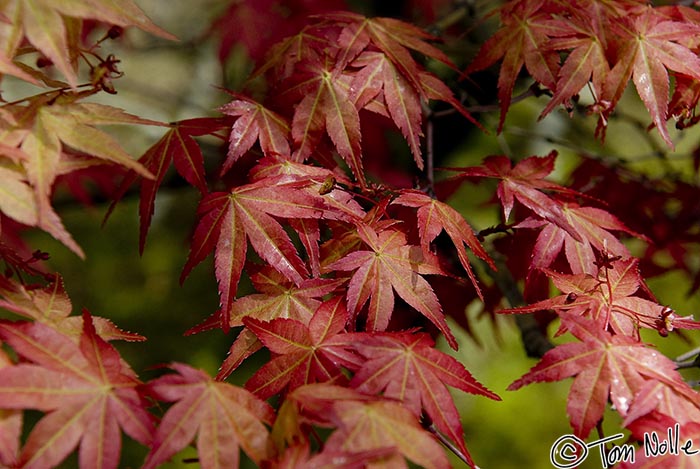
(171,81)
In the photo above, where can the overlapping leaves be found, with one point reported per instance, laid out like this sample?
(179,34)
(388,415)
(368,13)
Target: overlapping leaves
(87,392)
(604,44)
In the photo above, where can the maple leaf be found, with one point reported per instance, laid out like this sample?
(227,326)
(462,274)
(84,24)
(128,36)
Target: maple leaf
(390,265)
(339,203)
(363,426)
(525,29)
(85,388)
(407,367)
(16,198)
(608,299)
(394,38)
(399,99)
(52,306)
(433,217)
(584,32)
(651,454)
(225,417)
(255,122)
(228,220)
(524,182)
(281,298)
(605,366)
(651,45)
(10,426)
(302,353)
(592,224)
(655,397)
(379,87)
(42,132)
(51,27)
(299,456)
(326,106)
(178,147)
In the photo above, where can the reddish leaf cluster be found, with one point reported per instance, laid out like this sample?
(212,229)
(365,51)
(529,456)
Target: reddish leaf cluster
(605,45)
(350,277)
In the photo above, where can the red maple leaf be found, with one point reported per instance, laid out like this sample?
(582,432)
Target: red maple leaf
(302,353)
(407,367)
(176,147)
(281,298)
(394,38)
(390,265)
(524,182)
(326,106)
(651,45)
(525,30)
(255,122)
(247,213)
(607,298)
(606,367)
(85,388)
(225,417)
(583,31)
(52,306)
(592,224)
(365,426)
(435,216)
(10,426)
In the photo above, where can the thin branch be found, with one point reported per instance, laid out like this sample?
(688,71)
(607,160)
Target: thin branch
(456,451)
(535,341)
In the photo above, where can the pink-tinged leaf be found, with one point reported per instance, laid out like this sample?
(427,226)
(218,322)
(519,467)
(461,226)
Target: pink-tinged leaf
(653,46)
(608,298)
(228,222)
(402,101)
(606,367)
(281,298)
(394,38)
(408,368)
(592,224)
(255,122)
(226,418)
(245,345)
(583,31)
(525,181)
(366,426)
(85,388)
(10,426)
(327,106)
(520,41)
(435,216)
(655,396)
(390,265)
(301,353)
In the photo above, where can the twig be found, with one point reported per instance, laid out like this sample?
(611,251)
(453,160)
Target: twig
(536,343)
(456,451)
